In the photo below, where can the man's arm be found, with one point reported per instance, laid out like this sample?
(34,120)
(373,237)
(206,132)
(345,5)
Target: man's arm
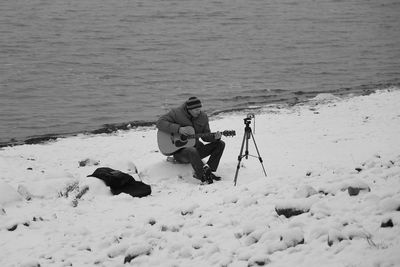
(206,129)
(166,123)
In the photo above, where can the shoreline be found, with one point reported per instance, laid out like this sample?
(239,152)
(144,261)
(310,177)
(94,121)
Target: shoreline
(301,98)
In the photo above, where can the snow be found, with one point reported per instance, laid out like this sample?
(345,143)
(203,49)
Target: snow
(314,154)
(8,194)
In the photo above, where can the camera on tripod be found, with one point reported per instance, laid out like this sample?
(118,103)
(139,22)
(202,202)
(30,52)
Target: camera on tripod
(248,134)
(248,118)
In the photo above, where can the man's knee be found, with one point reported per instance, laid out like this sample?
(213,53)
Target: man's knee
(191,150)
(186,154)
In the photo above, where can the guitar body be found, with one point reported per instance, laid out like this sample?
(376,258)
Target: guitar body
(169,143)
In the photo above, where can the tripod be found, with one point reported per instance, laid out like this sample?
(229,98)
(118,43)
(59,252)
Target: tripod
(247,135)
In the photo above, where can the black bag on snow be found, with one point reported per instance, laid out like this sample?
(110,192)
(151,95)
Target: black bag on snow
(134,188)
(112,178)
(121,182)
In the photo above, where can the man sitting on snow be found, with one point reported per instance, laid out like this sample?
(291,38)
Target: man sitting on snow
(189,119)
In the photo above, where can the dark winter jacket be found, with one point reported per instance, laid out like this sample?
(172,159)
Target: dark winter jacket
(180,117)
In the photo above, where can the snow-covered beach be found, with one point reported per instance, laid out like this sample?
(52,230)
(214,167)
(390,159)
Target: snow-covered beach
(334,162)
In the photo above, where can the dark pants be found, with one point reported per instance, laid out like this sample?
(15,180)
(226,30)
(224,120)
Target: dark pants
(193,155)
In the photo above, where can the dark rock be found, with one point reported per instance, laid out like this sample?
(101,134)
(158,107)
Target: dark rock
(136,253)
(260,263)
(325,192)
(186,212)
(289,212)
(353,191)
(358,169)
(13,228)
(35,219)
(83,163)
(332,241)
(129,258)
(88,162)
(386,224)
(41,139)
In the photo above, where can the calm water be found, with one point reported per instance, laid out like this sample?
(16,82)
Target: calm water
(69,66)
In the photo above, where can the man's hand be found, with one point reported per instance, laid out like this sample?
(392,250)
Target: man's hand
(217,135)
(187,130)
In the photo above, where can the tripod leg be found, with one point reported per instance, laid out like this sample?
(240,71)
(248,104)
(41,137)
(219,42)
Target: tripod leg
(240,158)
(247,134)
(259,157)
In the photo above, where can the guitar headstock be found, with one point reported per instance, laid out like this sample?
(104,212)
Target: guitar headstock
(228,133)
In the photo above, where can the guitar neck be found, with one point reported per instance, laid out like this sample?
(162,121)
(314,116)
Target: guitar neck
(200,135)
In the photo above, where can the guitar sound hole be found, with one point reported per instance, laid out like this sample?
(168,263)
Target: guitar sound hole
(180,143)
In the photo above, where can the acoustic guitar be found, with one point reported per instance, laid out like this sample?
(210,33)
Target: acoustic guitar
(168,143)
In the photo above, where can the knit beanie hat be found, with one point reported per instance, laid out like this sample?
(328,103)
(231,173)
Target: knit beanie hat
(192,103)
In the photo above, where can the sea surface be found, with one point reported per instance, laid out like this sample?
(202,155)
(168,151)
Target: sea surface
(70,66)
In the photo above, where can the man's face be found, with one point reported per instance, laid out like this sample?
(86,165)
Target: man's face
(195,112)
